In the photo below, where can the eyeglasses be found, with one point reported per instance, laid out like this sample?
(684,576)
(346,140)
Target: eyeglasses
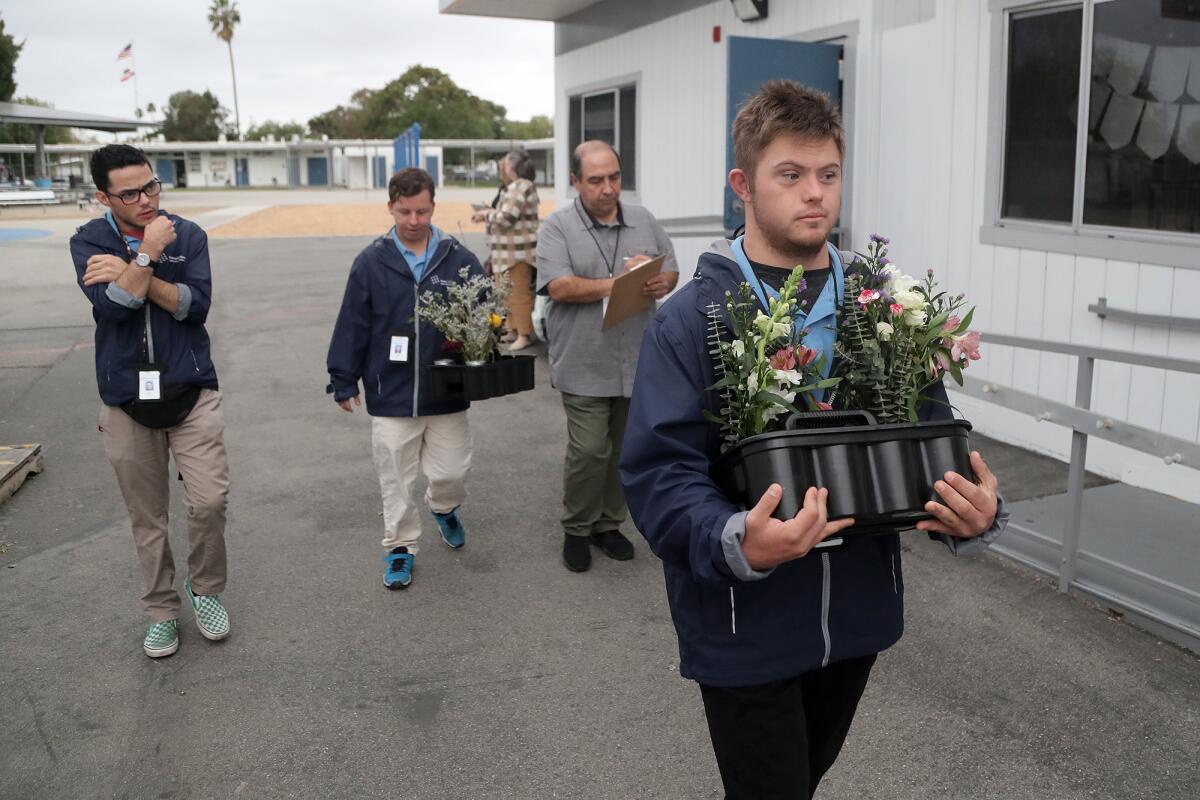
(131,196)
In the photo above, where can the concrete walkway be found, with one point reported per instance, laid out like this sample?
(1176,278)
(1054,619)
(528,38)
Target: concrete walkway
(498,674)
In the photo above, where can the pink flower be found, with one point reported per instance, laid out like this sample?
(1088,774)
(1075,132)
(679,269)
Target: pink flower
(867,296)
(783,358)
(896,309)
(808,356)
(951,325)
(822,406)
(966,348)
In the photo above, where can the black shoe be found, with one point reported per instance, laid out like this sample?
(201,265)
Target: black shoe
(614,545)
(576,554)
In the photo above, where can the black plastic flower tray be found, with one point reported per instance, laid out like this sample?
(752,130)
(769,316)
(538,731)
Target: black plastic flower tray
(881,475)
(505,375)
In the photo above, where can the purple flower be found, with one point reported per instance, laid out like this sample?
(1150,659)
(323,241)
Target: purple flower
(886,297)
(929,273)
(801,286)
(883,262)
(877,239)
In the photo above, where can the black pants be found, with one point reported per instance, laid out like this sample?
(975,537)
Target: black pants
(777,740)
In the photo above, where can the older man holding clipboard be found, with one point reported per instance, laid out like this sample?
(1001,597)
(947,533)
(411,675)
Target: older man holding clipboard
(595,255)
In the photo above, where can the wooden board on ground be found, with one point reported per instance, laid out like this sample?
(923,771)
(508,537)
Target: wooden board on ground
(17,462)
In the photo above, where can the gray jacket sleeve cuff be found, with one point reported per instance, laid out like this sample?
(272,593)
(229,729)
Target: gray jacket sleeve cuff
(185,302)
(123,298)
(977,544)
(731,545)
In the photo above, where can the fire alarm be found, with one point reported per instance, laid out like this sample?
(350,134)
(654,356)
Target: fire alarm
(716,34)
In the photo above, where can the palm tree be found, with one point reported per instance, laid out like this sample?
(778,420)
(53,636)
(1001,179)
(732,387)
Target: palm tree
(223,16)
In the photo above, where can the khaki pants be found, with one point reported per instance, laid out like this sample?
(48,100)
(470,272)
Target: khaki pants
(440,446)
(520,297)
(139,458)
(593,500)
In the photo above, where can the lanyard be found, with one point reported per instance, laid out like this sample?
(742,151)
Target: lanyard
(148,338)
(611,263)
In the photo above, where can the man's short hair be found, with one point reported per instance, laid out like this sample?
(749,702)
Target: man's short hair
(783,107)
(114,156)
(409,182)
(521,164)
(577,156)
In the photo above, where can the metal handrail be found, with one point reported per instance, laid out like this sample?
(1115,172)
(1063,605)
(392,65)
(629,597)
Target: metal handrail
(1103,310)
(1085,372)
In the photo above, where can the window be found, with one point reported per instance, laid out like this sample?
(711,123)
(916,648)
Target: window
(1138,164)
(609,115)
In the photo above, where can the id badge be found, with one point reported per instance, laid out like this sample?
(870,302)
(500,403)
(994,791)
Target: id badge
(398,351)
(149,383)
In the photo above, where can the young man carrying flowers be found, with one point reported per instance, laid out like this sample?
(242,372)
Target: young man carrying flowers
(382,339)
(780,632)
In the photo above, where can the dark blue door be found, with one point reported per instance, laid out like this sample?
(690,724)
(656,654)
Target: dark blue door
(166,170)
(752,62)
(380,171)
(318,172)
(242,171)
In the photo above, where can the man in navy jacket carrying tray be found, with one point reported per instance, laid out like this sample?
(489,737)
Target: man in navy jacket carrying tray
(381,339)
(779,629)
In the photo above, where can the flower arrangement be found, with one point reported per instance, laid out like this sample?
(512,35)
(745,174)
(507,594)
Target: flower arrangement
(469,313)
(896,337)
(765,366)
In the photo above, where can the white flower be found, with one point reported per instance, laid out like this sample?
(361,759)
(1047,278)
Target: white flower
(738,347)
(788,377)
(772,330)
(909,298)
(885,331)
(752,383)
(915,317)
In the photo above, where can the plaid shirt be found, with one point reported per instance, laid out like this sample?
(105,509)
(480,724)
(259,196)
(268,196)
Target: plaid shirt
(513,226)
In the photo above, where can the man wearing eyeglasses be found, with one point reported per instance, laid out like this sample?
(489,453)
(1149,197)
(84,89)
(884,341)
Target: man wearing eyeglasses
(147,276)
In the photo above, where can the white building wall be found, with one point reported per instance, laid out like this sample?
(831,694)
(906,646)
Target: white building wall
(917,160)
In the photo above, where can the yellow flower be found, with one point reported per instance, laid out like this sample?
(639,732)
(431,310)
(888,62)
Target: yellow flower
(495,320)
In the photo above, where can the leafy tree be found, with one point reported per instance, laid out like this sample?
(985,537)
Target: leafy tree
(281,130)
(24,134)
(422,94)
(192,117)
(538,127)
(223,17)
(9,52)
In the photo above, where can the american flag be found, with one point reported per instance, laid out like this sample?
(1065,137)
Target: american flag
(126,75)
(126,53)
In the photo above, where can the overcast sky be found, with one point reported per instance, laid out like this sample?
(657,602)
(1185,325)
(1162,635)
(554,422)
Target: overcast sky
(294,59)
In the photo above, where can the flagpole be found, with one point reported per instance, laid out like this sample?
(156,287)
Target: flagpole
(136,105)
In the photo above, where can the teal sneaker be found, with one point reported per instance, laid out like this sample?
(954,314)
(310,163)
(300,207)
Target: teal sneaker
(211,617)
(399,570)
(451,528)
(162,639)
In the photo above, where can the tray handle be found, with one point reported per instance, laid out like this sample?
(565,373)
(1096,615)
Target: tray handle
(809,420)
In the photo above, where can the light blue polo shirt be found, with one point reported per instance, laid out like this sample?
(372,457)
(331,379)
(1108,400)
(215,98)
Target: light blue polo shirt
(418,263)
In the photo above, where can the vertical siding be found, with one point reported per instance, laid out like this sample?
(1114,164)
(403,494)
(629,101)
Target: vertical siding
(918,160)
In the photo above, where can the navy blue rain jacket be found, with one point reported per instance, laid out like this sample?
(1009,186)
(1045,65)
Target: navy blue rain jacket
(181,346)
(382,300)
(833,604)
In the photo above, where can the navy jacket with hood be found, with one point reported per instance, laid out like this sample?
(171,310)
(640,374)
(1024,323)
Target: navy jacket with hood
(835,603)
(181,344)
(382,300)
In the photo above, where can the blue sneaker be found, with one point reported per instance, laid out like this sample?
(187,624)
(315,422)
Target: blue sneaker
(399,570)
(451,528)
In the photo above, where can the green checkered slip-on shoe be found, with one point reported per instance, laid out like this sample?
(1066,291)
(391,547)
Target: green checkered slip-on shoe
(162,639)
(211,617)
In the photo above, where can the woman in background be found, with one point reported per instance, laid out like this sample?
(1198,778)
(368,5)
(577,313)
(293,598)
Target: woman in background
(512,233)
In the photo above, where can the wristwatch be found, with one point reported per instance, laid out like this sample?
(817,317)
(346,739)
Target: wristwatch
(142,260)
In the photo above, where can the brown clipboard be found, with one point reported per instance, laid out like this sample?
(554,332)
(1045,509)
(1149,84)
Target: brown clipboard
(626,298)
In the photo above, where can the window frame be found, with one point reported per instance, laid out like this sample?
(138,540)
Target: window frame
(1168,248)
(612,86)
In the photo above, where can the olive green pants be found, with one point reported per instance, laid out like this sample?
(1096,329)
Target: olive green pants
(593,500)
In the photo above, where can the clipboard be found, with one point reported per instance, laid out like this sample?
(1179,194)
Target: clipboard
(626,298)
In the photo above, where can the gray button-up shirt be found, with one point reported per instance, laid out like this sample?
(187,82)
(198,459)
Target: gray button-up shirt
(584,359)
